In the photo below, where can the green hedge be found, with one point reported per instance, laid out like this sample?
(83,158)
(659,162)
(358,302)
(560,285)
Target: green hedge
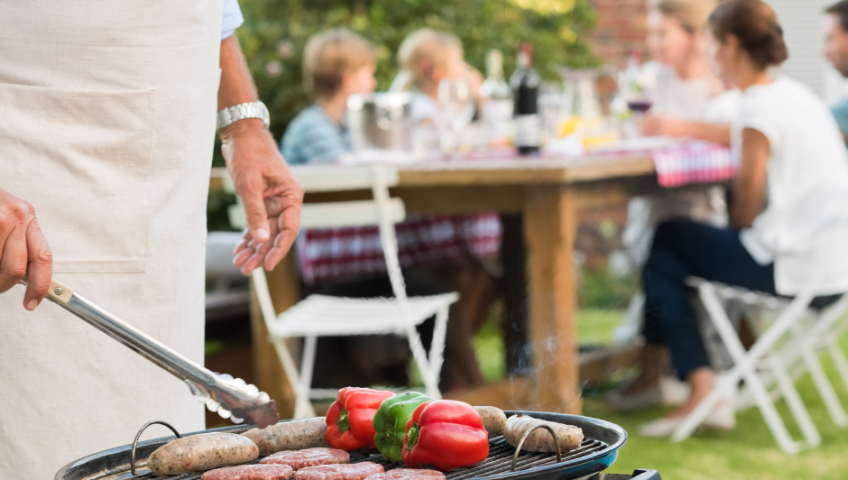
(275,32)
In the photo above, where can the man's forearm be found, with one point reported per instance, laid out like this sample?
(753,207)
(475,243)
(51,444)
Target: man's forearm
(236,87)
(236,83)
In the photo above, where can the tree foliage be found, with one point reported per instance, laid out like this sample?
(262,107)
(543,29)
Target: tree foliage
(275,32)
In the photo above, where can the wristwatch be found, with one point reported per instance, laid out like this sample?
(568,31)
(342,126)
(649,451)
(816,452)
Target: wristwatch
(230,115)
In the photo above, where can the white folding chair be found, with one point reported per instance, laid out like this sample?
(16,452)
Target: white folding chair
(320,315)
(768,361)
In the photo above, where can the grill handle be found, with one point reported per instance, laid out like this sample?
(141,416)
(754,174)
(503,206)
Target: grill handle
(526,435)
(138,435)
(230,397)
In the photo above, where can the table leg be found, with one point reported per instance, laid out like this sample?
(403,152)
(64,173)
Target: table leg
(550,224)
(270,378)
(514,287)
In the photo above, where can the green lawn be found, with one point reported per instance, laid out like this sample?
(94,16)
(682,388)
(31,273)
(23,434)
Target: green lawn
(748,452)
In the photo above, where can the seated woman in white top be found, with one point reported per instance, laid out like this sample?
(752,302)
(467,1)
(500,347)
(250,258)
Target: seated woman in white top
(789,218)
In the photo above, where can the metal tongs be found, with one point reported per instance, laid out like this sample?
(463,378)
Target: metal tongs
(230,397)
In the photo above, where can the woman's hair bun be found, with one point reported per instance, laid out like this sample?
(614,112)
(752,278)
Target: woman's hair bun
(754,24)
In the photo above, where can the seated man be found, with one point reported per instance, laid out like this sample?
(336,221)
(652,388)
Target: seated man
(836,50)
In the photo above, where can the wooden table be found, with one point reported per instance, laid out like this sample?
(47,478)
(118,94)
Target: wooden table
(549,194)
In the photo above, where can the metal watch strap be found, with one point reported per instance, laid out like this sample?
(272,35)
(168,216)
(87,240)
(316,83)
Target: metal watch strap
(230,115)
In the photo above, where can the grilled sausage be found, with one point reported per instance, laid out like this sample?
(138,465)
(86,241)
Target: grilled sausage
(353,471)
(201,452)
(291,435)
(568,436)
(310,457)
(494,420)
(250,472)
(408,474)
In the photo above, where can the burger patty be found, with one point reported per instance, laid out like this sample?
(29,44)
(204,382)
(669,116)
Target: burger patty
(354,471)
(309,457)
(250,472)
(408,474)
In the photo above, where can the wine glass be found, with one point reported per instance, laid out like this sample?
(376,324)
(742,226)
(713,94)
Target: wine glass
(456,109)
(550,105)
(639,93)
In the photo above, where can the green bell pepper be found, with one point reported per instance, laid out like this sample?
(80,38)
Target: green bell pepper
(390,422)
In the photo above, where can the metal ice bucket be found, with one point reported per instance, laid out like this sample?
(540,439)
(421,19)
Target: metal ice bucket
(380,121)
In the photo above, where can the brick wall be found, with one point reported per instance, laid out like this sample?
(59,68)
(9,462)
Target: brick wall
(620,27)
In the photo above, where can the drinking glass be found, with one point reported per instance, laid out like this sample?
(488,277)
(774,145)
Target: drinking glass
(639,93)
(550,106)
(456,108)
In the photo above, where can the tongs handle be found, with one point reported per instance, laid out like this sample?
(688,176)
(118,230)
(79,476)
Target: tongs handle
(229,397)
(58,291)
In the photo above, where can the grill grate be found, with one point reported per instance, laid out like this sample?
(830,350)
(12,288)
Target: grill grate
(498,462)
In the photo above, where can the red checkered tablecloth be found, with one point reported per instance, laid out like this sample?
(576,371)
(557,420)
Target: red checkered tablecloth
(343,253)
(693,162)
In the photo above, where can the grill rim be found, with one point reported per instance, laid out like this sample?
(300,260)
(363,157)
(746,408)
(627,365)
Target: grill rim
(612,435)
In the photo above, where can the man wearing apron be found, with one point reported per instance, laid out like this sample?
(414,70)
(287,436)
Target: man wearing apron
(107,117)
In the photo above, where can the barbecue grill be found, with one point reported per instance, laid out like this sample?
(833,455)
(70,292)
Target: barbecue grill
(599,450)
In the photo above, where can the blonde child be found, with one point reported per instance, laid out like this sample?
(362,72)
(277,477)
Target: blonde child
(427,57)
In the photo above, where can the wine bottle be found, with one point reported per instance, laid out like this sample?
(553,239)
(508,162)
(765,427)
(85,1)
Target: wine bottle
(525,83)
(497,102)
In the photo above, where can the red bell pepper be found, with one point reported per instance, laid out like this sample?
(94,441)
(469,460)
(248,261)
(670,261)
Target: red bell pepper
(446,435)
(349,420)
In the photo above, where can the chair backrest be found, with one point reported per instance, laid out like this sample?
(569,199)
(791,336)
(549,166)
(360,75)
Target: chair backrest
(353,212)
(331,178)
(333,214)
(386,210)
(381,209)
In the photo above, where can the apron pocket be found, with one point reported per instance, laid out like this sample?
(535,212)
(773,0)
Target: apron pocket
(81,158)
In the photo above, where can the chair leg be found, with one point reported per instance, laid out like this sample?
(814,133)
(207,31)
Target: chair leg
(796,405)
(302,406)
(825,388)
(307,366)
(838,358)
(437,352)
(831,401)
(744,368)
(388,239)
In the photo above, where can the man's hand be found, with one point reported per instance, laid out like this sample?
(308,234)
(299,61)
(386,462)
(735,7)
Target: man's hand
(23,249)
(272,197)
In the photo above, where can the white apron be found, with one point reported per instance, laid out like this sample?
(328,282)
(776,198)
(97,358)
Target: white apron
(107,120)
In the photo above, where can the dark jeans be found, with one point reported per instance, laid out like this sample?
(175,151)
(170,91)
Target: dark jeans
(682,249)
